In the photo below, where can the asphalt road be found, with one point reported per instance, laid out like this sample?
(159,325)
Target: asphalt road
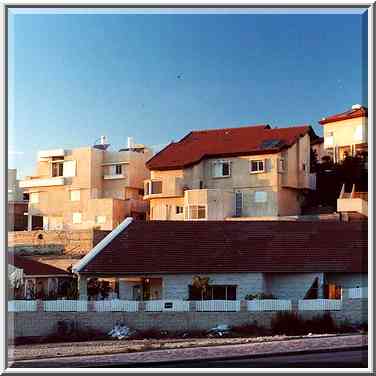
(335,359)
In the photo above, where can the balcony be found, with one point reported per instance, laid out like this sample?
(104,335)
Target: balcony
(209,204)
(168,186)
(42,182)
(353,202)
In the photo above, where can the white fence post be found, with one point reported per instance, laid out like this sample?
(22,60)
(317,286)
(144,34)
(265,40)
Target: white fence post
(166,306)
(218,305)
(22,306)
(269,305)
(357,293)
(320,305)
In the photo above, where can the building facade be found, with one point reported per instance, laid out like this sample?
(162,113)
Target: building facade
(346,134)
(87,187)
(236,172)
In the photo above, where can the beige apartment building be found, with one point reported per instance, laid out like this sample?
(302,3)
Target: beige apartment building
(245,172)
(88,187)
(345,134)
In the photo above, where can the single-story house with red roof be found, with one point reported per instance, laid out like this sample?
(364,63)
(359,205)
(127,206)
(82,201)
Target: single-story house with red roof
(40,281)
(289,260)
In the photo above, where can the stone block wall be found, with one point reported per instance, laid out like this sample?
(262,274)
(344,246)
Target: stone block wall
(74,243)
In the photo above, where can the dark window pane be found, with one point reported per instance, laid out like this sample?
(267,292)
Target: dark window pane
(219,292)
(225,169)
(231,292)
(156,187)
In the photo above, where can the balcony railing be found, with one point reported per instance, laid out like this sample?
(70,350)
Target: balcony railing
(170,186)
(42,182)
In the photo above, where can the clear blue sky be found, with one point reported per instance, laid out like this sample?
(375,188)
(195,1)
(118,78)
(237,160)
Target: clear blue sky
(74,77)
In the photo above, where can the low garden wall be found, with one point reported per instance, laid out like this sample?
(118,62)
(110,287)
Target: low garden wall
(45,320)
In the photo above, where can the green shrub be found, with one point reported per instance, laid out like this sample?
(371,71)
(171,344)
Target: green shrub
(287,323)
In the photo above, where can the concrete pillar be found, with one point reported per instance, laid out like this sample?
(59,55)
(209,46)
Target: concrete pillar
(29,222)
(82,287)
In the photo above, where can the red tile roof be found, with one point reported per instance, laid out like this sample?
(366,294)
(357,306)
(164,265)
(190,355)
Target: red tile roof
(32,267)
(350,114)
(226,142)
(233,246)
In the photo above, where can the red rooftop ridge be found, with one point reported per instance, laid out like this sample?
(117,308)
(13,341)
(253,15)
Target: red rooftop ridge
(356,111)
(227,142)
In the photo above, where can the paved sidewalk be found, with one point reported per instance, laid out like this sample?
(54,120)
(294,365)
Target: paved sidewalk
(199,353)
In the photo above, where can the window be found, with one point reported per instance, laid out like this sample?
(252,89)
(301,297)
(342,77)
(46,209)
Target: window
(238,203)
(34,197)
(179,210)
(100,219)
(257,166)
(153,187)
(329,134)
(118,169)
(76,217)
(196,212)
(57,169)
(303,166)
(25,196)
(281,165)
(261,196)
(221,169)
(74,195)
(213,292)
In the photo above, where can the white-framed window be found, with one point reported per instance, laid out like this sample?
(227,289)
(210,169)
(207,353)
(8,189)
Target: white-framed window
(179,210)
(221,169)
(76,217)
(57,167)
(100,219)
(261,196)
(34,197)
(256,166)
(118,169)
(75,195)
(196,212)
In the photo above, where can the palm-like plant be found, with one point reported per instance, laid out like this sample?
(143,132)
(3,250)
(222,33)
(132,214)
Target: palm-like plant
(201,283)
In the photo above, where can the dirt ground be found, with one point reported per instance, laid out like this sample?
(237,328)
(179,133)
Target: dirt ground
(111,346)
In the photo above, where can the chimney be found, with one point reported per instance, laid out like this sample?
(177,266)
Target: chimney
(356,107)
(103,140)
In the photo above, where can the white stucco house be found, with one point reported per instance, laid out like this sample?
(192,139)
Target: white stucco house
(288,260)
